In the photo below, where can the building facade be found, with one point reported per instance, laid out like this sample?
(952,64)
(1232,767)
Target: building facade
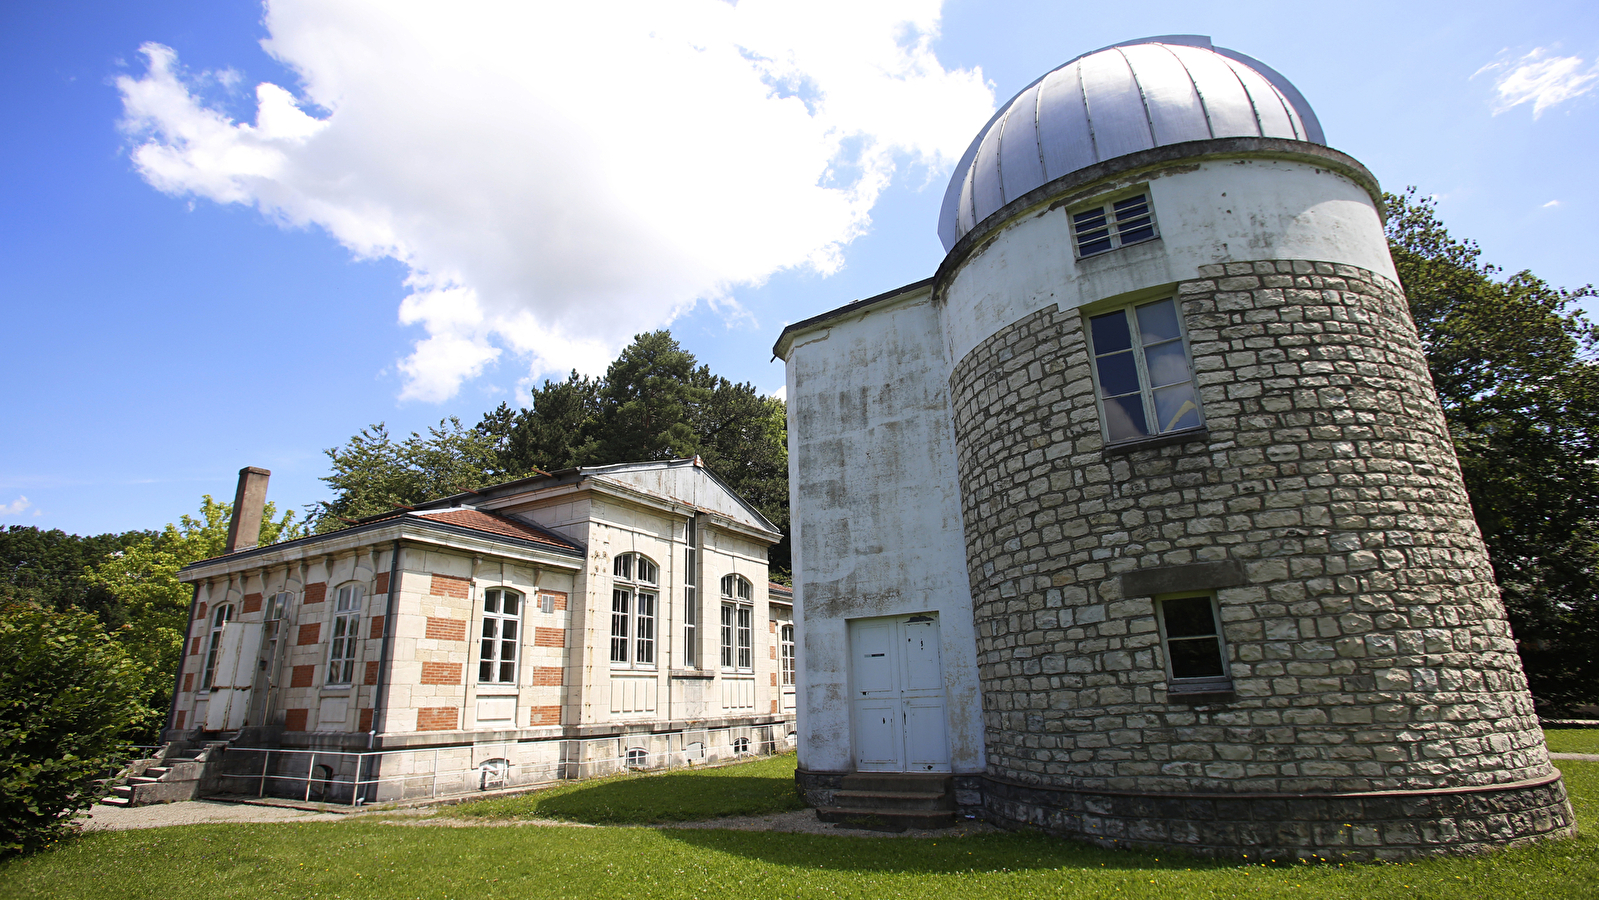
(559,626)
(1140,517)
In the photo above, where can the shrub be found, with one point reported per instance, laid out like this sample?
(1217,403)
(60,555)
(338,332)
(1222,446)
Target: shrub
(68,695)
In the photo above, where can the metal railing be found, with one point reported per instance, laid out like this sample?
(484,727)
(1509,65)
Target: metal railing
(355,778)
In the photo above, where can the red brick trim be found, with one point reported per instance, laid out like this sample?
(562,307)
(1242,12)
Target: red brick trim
(450,586)
(544,715)
(382,586)
(774,679)
(549,637)
(377,628)
(194,647)
(252,602)
(316,592)
(295,719)
(437,718)
(303,676)
(178,722)
(441,673)
(371,672)
(560,599)
(188,683)
(364,721)
(199,611)
(310,633)
(547,676)
(445,629)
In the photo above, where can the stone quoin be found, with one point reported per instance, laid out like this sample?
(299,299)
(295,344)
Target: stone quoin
(1140,518)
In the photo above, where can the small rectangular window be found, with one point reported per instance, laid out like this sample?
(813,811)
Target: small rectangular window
(746,635)
(502,612)
(1196,659)
(1143,372)
(727,634)
(1115,224)
(786,645)
(621,615)
(644,640)
(691,605)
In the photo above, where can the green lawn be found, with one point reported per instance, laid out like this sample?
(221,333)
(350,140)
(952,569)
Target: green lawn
(370,858)
(1572,740)
(746,789)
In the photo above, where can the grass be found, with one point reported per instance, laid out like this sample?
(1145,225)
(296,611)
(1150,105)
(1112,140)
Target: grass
(747,789)
(1572,740)
(368,858)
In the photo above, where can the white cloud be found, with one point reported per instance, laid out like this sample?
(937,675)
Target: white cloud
(1539,79)
(560,177)
(1551,204)
(15,508)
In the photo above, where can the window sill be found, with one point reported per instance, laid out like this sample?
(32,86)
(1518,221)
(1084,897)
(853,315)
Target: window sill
(705,674)
(1201,694)
(336,690)
(1159,440)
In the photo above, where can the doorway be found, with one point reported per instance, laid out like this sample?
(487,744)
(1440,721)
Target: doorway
(897,695)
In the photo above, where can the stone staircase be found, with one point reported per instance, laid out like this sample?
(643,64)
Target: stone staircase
(173,774)
(891,801)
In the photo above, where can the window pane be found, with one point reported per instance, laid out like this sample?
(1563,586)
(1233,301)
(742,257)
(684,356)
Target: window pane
(488,627)
(1196,658)
(485,670)
(1167,362)
(488,648)
(1175,407)
(1188,617)
(508,629)
(508,650)
(1158,322)
(1131,207)
(1118,374)
(1111,333)
(1124,418)
(511,603)
(507,672)
(646,571)
(624,567)
(491,601)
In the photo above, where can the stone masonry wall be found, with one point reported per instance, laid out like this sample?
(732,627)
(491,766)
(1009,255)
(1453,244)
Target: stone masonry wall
(1367,644)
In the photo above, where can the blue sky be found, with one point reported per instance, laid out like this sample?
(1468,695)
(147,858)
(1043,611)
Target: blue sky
(439,203)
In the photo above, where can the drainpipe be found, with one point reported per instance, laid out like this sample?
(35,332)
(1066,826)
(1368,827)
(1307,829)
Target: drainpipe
(386,654)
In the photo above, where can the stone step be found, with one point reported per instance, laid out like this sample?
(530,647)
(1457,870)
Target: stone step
(897,800)
(142,779)
(900,782)
(116,801)
(870,819)
(157,771)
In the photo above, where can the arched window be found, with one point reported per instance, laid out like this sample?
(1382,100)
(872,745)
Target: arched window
(502,618)
(346,626)
(738,623)
(638,758)
(219,617)
(633,601)
(741,746)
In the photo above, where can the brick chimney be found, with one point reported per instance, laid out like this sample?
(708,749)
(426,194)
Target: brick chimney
(248,503)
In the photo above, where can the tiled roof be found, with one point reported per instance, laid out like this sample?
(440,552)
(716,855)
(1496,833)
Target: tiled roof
(773,587)
(479,520)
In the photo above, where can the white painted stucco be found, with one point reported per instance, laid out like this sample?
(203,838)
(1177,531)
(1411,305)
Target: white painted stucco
(1214,211)
(872,464)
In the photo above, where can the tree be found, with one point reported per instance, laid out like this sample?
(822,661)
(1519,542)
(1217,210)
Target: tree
(144,579)
(645,402)
(743,438)
(48,567)
(1514,362)
(373,474)
(68,696)
(556,431)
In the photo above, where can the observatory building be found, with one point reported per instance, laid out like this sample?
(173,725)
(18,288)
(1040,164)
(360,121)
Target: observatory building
(1140,519)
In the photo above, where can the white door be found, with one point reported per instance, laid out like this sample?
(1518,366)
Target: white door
(897,695)
(233,676)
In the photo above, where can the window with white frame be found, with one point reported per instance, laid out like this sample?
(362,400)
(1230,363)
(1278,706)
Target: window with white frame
(738,623)
(633,597)
(346,627)
(1142,371)
(502,619)
(219,617)
(1196,658)
(786,652)
(1113,224)
(691,601)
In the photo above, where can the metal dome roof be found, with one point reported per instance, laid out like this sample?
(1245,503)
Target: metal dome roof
(1124,98)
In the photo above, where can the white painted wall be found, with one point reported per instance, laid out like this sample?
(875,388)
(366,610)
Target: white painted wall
(877,519)
(1218,211)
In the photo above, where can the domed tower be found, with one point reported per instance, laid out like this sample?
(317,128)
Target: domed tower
(1228,591)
